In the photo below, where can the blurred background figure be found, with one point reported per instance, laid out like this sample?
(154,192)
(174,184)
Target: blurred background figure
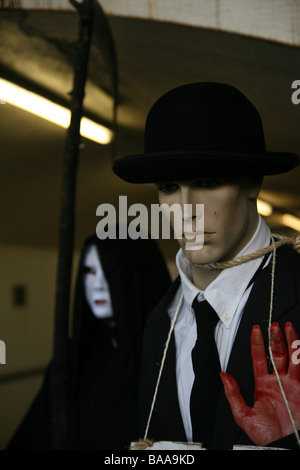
(118,283)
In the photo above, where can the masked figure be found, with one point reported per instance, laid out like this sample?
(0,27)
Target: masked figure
(118,283)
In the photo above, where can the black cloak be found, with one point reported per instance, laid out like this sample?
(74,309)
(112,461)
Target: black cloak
(104,355)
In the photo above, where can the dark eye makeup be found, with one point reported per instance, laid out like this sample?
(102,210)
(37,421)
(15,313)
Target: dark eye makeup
(168,188)
(89,270)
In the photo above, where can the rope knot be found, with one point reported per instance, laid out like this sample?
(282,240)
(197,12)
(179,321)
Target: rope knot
(293,241)
(142,444)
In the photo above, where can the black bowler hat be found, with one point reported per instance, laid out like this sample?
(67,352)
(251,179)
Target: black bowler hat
(203,129)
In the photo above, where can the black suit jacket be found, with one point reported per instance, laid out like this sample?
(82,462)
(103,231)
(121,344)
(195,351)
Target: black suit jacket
(166,422)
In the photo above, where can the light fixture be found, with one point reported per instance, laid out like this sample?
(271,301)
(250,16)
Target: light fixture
(46,109)
(264,208)
(291,221)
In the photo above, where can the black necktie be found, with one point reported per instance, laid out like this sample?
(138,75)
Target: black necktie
(207,385)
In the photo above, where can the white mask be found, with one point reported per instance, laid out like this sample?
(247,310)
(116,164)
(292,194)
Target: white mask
(96,286)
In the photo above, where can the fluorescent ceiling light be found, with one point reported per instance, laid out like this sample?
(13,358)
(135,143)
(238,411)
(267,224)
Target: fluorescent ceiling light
(46,109)
(264,208)
(291,221)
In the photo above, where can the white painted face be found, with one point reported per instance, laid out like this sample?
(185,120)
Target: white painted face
(96,286)
(229,214)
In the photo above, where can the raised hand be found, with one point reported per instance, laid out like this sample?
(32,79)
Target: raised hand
(268,420)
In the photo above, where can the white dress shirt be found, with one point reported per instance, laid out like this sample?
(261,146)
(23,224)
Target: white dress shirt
(228,295)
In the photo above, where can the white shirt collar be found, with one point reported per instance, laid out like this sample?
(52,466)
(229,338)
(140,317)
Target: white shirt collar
(225,292)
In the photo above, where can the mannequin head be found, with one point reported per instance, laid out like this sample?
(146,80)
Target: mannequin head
(230,214)
(95,285)
(204,144)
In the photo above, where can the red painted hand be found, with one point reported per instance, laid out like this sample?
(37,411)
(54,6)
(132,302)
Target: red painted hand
(268,420)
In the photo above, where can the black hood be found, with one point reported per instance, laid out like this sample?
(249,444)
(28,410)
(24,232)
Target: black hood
(105,355)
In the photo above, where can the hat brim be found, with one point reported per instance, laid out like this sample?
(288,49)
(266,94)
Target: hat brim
(167,166)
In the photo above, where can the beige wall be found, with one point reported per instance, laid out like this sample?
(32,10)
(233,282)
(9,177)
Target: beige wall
(26,330)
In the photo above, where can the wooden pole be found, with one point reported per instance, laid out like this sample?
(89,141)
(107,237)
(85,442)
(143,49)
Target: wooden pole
(59,369)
